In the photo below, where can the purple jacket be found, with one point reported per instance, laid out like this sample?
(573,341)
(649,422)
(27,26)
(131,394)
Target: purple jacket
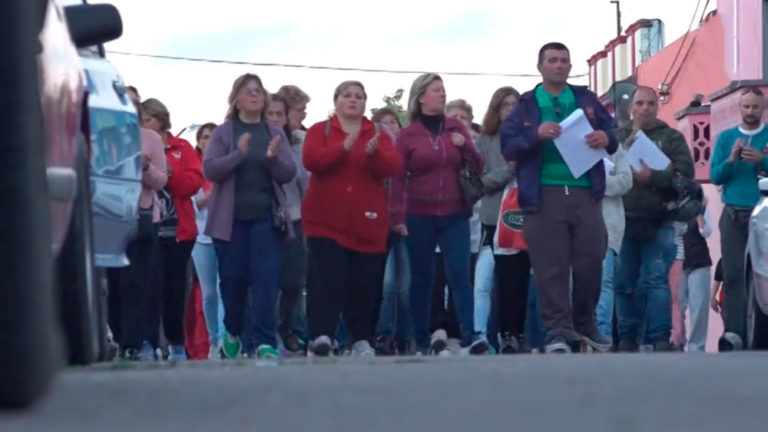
(221,161)
(429,185)
(520,143)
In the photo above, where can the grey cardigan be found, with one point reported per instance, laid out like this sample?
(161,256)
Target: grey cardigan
(221,161)
(617,183)
(496,175)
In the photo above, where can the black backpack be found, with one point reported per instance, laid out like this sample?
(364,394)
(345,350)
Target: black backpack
(689,200)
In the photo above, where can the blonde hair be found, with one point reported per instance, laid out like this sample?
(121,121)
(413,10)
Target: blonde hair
(462,105)
(293,94)
(238,86)
(345,85)
(418,88)
(154,108)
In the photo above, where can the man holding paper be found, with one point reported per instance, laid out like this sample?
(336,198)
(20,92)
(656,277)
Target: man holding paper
(563,224)
(657,154)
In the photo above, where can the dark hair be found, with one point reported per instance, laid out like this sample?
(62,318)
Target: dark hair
(203,128)
(277,97)
(475,127)
(557,46)
(491,121)
(380,113)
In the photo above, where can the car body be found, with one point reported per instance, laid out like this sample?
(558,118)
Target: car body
(115,160)
(757,273)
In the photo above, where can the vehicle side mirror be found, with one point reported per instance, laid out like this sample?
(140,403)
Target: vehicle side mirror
(93,24)
(763,185)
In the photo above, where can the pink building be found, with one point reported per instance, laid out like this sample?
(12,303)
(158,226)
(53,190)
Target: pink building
(711,64)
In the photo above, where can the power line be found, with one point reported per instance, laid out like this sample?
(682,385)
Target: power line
(685,38)
(333,68)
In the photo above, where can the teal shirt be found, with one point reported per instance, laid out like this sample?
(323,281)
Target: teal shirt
(554,171)
(739,179)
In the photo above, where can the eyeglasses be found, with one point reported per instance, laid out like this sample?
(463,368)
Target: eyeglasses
(752,89)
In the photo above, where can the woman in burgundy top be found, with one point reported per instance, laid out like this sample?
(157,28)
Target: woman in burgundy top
(428,207)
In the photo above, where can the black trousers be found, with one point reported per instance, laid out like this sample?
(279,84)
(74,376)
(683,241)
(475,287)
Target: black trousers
(131,291)
(344,282)
(512,275)
(171,286)
(293,276)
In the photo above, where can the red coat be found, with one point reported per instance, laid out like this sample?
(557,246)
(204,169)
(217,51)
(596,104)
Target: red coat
(185,180)
(346,200)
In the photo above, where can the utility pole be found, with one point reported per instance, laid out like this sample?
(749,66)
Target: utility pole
(618,16)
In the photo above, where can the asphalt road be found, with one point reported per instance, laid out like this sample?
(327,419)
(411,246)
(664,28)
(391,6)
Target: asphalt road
(605,392)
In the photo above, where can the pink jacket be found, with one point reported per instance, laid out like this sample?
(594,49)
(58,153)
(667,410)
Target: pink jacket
(156,175)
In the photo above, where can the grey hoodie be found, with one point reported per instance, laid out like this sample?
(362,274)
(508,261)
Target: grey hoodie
(618,181)
(496,175)
(296,188)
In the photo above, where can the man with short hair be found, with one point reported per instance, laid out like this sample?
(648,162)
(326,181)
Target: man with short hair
(737,159)
(643,297)
(563,223)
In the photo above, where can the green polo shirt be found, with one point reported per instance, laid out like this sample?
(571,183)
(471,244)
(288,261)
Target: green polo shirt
(554,171)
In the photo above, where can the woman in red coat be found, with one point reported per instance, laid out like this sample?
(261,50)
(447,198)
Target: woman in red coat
(346,221)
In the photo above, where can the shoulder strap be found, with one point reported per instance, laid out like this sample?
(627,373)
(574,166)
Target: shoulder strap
(377,126)
(327,127)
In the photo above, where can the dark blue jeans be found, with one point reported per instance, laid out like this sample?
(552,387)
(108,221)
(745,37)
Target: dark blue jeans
(394,317)
(451,233)
(643,299)
(250,263)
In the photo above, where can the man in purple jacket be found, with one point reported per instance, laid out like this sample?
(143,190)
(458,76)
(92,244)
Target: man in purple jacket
(563,225)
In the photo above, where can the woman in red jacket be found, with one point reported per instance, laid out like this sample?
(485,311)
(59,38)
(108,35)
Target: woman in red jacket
(177,229)
(346,221)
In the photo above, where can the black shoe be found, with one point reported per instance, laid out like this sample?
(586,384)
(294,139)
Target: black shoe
(628,345)
(479,345)
(596,341)
(558,345)
(384,346)
(663,346)
(129,354)
(509,344)
(294,344)
(403,347)
(730,342)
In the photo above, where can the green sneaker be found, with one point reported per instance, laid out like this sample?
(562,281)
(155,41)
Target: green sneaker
(267,352)
(231,346)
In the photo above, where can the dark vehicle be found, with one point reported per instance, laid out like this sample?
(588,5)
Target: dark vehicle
(48,281)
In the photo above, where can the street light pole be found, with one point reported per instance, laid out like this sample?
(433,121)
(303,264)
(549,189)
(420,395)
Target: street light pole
(618,16)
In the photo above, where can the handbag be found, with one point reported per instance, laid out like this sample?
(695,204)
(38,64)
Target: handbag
(508,238)
(146,226)
(471,185)
(279,218)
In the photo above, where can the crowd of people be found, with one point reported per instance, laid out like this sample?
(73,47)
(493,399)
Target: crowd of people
(431,234)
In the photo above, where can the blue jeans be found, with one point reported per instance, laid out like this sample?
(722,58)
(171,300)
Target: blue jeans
(643,298)
(606,301)
(250,263)
(484,283)
(534,330)
(206,267)
(394,317)
(694,296)
(451,233)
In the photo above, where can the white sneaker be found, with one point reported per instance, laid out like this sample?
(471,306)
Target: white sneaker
(321,346)
(362,349)
(439,342)
(214,352)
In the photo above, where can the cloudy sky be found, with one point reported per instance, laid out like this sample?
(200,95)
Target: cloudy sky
(487,36)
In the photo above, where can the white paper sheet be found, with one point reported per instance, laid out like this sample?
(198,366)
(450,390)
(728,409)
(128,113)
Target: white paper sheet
(645,149)
(572,144)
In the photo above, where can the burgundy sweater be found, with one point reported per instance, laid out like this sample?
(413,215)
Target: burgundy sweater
(429,185)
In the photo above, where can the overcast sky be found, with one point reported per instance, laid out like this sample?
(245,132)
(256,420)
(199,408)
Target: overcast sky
(467,36)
